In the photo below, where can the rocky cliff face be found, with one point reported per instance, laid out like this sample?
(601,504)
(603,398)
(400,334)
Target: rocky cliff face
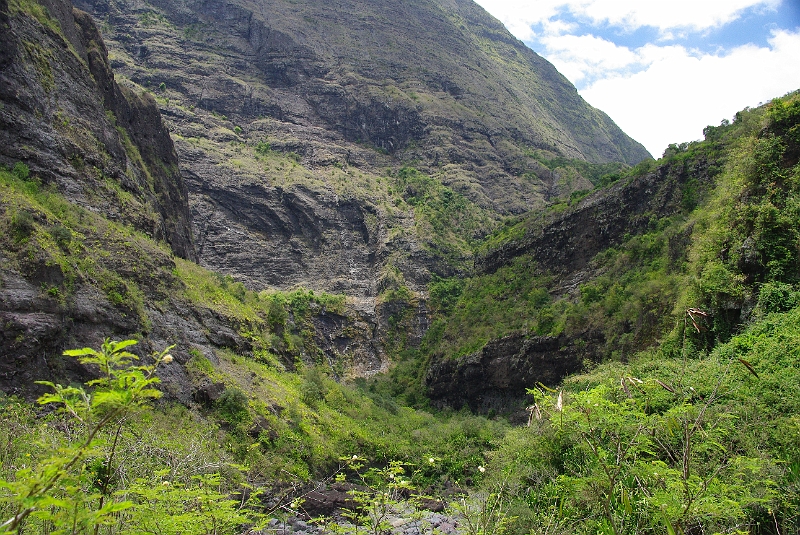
(93,153)
(292,129)
(65,117)
(341,93)
(496,377)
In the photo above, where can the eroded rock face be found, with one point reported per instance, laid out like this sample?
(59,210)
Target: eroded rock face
(340,92)
(65,117)
(103,147)
(496,377)
(359,86)
(564,244)
(276,237)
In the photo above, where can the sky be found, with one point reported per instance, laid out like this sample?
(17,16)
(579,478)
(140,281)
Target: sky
(664,70)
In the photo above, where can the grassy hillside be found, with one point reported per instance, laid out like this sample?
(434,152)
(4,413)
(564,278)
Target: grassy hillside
(690,425)
(704,442)
(729,250)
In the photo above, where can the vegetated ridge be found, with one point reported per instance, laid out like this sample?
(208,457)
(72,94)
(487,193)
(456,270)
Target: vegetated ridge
(291,122)
(613,272)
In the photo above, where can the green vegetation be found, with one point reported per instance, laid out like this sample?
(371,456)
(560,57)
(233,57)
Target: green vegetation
(690,425)
(596,173)
(697,433)
(267,427)
(714,255)
(665,444)
(138,466)
(685,421)
(446,221)
(35,10)
(508,300)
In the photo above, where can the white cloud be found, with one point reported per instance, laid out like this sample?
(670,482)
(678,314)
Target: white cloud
(658,93)
(520,15)
(695,14)
(579,57)
(680,92)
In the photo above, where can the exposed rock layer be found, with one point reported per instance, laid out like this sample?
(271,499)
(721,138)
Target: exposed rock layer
(359,86)
(496,377)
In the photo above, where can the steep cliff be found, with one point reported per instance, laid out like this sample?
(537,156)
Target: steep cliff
(64,116)
(94,219)
(360,149)
(286,114)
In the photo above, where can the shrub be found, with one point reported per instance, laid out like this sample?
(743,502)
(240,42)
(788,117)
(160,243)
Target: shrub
(263,148)
(776,297)
(21,171)
(232,405)
(61,235)
(22,225)
(313,388)
(55,492)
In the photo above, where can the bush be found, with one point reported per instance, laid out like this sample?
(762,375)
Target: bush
(313,388)
(21,171)
(263,148)
(61,235)
(232,405)
(776,297)
(22,225)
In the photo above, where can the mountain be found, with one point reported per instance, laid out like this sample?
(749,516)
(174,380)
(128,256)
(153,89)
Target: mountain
(291,119)
(627,348)
(282,157)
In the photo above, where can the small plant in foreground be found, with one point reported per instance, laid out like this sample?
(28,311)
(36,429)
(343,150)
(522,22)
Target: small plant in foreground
(383,493)
(483,513)
(53,492)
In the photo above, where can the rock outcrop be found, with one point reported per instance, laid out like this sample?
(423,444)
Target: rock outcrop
(495,378)
(563,244)
(346,91)
(64,116)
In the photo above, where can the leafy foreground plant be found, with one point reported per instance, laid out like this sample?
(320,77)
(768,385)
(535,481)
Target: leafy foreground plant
(483,513)
(72,491)
(381,494)
(657,446)
(50,491)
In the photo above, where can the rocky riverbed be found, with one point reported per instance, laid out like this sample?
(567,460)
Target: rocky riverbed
(429,524)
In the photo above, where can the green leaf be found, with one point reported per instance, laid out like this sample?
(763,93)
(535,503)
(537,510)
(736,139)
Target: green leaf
(667,523)
(81,352)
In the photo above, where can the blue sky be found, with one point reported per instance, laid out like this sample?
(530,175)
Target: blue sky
(663,70)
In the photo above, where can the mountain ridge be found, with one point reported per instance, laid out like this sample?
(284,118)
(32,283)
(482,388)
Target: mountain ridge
(349,90)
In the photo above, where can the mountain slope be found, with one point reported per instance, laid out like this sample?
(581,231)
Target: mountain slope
(282,110)
(706,236)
